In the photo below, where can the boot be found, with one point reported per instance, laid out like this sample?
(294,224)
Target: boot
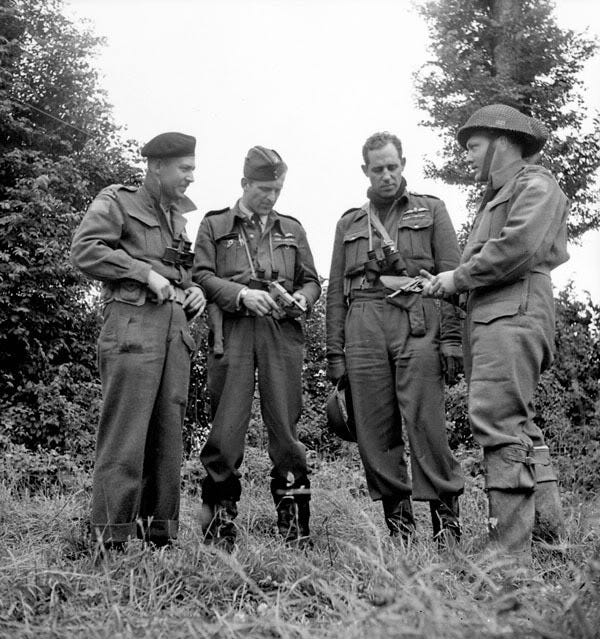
(445,521)
(291,497)
(218,524)
(549,522)
(510,522)
(399,517)
(293,515)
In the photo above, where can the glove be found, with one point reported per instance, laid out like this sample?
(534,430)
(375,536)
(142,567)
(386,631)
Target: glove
(336,368)
(451,358)
(452,368)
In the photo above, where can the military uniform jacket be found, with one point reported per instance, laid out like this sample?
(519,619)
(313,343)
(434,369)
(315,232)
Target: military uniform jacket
(425,238)
(221,264)
(124,234)
(521,231)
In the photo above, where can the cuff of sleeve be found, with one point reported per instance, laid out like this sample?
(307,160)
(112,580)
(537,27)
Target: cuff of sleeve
(462,280)
(451,349)
(139,271)
(240,296)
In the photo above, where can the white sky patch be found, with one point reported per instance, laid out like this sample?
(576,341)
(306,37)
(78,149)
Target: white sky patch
(311,79)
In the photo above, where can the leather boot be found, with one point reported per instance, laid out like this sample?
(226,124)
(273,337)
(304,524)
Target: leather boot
(549,522)
(399,517)
(292,501)
(445,521)
(293,515)
(218,524)
(510,522)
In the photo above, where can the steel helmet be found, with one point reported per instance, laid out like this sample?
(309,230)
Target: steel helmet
(340,415)
(501,117)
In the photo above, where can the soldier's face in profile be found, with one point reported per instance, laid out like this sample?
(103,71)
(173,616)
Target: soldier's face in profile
(260,197)
(175,175)
(384,170)
(477,146)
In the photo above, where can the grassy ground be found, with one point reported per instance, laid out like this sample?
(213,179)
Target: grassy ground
(356,582)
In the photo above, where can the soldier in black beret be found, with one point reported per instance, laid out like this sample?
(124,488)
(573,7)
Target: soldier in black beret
(133,240)
(258,271)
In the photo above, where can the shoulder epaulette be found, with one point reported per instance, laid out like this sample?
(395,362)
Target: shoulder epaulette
(113,189)
(210,213)
(356,208)
(433,197)
(289,217)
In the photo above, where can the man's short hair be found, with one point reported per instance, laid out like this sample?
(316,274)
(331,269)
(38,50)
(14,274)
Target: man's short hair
(378,141)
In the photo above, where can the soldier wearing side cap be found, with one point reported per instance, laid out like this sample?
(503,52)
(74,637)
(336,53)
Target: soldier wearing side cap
(259,276)
(518,237)
(133,240)
(393,347)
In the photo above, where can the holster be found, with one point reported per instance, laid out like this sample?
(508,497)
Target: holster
(215,325)
(413,305)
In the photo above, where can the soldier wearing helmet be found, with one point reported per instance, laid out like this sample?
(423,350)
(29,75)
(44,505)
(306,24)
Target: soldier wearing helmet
(518,237)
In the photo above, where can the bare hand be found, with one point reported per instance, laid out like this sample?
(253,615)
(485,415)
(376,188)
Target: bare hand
(160,286)
(299,297)
(440,285)
(428,280)
(194,302)
(259,302)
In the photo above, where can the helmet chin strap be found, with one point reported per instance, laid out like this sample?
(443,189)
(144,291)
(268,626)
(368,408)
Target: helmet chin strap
(487,160)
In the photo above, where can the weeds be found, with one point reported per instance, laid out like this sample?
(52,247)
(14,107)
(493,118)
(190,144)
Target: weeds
(356,582)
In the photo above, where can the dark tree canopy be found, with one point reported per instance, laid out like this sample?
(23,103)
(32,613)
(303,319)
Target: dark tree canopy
(58,147)
(513,51)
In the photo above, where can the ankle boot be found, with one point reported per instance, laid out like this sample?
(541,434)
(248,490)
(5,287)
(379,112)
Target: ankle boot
(399,517)
(445,521)
(218,524)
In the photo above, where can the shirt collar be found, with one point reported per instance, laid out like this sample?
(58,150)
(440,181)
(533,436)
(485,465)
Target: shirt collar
(150,190)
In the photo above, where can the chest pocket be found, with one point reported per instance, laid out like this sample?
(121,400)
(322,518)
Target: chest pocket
(285,249)
(414,233)
(231,255)
(356,246)
(496,215)
(145,228)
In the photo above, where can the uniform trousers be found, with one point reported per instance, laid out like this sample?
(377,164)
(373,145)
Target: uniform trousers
(274,350)
(396,376)
(144,355)
(504,359)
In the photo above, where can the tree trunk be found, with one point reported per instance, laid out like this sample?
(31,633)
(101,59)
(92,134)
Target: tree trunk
(505,14)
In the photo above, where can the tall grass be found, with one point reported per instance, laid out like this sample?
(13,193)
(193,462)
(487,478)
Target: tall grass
(355,582)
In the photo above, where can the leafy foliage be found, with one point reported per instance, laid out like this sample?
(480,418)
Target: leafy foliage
(512,51)
(58,147)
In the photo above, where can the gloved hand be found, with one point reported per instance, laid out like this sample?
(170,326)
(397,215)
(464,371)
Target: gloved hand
(452,368)
(336,367)
(451,358)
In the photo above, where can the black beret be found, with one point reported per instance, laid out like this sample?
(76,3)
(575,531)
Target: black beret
(170,145)
(263,164)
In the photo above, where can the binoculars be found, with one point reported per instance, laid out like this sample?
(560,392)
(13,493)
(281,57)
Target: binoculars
(180,254)
(388,258)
